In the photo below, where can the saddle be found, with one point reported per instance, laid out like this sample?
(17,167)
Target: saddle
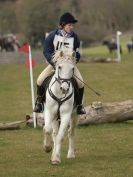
(46,82)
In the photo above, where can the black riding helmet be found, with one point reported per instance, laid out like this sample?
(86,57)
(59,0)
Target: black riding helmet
(67,18)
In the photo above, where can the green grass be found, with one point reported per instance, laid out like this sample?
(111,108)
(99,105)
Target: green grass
(102,51)
(104,150)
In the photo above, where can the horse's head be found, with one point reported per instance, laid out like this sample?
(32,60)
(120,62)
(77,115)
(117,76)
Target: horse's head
(65,54)
(65,63)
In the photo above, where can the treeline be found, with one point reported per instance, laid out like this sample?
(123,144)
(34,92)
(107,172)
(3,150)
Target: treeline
(97,18)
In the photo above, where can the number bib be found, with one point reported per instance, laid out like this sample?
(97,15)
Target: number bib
(60,42)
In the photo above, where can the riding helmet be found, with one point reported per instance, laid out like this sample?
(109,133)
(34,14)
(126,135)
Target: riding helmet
(67,18)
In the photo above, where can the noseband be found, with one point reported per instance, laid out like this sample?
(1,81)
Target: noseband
(61,80)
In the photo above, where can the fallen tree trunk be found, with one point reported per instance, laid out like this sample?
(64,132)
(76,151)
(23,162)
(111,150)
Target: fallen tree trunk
(98,113)
(99,60)
(107,113)
(11,126)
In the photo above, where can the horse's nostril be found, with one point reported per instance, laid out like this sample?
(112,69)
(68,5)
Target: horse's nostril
(61,88)
(64,90)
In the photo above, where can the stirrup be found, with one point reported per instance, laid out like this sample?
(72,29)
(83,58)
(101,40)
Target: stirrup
(81,110)
(39,107)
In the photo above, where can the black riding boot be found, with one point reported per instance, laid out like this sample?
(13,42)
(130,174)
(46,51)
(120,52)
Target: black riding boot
(39,105)
(80,108)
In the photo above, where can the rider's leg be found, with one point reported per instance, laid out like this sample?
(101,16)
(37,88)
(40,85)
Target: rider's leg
(79,79)
(80,108)
(39,105)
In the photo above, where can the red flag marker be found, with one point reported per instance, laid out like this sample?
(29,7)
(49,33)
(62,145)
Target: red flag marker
(27,63)
(24,48)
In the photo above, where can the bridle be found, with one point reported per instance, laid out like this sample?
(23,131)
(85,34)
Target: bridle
(61,80)
(66,97)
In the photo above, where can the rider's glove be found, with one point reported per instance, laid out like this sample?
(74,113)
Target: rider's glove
(52,63)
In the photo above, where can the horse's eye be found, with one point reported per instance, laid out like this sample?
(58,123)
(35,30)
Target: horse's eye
(59,67)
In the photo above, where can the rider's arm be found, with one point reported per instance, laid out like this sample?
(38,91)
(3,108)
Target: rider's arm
(77,47)
(48,47)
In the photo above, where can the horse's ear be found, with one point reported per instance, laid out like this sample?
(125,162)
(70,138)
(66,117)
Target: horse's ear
(61,53)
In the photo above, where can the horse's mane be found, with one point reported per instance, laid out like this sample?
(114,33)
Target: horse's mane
(67,54)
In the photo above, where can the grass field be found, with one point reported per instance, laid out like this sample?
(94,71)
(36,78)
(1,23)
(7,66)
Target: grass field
(104,150)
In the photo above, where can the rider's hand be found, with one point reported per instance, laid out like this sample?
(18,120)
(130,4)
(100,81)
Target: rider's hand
(52,63)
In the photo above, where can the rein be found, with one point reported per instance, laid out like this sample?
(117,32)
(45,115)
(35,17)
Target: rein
(98,94)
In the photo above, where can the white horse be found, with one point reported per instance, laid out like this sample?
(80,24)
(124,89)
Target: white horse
(59,104)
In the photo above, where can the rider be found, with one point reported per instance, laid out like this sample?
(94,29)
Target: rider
(63,36)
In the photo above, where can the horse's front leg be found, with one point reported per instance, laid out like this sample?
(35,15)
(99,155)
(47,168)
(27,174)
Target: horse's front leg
(55,127)
(71,133)
(47,130)
(65,119)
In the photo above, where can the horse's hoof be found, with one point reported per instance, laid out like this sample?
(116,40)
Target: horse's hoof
(47,149)
(71,156)
(55,162)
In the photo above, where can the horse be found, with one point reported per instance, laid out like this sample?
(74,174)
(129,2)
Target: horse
(130,46)
(111,46)
(9,43)
(59,105)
